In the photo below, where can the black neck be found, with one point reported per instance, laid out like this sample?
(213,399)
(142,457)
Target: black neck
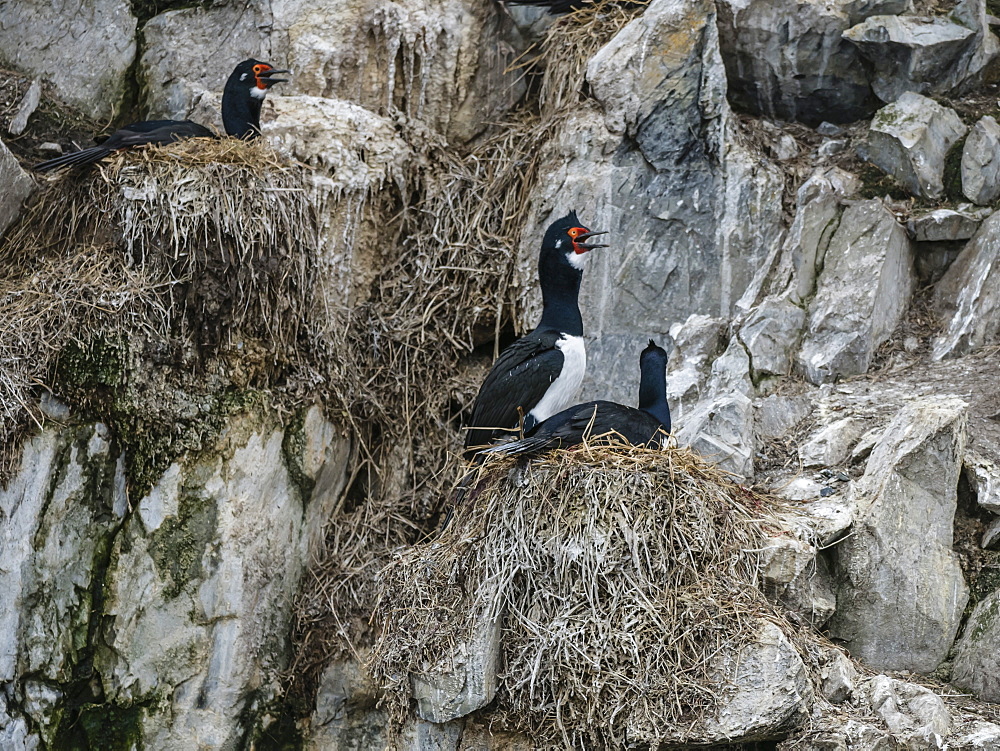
(560,297)
(653,392)
(240,111)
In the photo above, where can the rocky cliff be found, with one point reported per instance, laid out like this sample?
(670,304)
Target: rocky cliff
(232,378)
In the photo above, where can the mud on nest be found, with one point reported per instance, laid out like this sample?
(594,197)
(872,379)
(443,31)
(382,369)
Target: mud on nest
(617,576)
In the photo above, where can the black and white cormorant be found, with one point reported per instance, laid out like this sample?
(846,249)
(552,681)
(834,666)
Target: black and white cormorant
(241,102)
(540,373)
(645,426)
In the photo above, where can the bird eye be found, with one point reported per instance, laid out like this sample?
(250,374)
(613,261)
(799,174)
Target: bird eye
(574,232)
(258,68)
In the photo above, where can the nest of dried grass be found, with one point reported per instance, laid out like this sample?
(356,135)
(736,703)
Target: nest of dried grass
(617,574)
(158,242)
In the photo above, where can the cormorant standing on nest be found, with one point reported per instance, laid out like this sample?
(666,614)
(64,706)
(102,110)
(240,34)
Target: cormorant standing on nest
(640,427)
(539,374)
(241,102)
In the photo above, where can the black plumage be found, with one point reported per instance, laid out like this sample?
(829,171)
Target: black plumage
(241,104)
(540,373)
(644,426)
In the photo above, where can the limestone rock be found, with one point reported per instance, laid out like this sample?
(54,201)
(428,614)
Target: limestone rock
(17,187)
(968,295)
(721,430)
(991,537)
(839,677)
(849,735)
(775,415)
(27,107)
(767,691)
(467,682)
(984,481)
(770,335)
(977,657)
(915,715)
(831,445)
(910,53)
(900,590)
(800,580)
(862,294)
(829,518)
(909,139)
(52,42)
(697,343)
(789,60)
(945,225)
(980,165)
(982,736)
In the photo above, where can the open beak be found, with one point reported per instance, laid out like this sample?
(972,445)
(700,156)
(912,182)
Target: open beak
(266,75)
(589,246)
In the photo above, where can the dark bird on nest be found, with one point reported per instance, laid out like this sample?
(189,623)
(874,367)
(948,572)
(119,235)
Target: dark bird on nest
(540,373)
(645,426)
(241,102)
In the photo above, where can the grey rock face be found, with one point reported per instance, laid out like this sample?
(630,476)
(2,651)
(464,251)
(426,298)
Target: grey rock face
(721,430)
(831,445)
(980,163)
(909,139)
(915,715)
(977,658)
(466,683)
(862,293)
(900,590)
(968,295)
(18,185)
(982,736)
(944,225)
(839,677)
(794,574)
(984,480)
(910,53)
(788,60)
(770,336)
(60,42)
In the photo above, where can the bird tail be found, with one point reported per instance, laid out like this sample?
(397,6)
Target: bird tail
(530,445)
(84,156)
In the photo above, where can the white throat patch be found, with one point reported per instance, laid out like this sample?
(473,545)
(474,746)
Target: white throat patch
(257,93)
(564,388)
(576,260)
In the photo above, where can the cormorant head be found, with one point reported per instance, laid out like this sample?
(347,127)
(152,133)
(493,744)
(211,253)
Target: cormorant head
(652,356)
(256,76)
(567,238)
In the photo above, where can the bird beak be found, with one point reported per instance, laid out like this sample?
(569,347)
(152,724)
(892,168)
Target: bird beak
(266,75)
(589,246)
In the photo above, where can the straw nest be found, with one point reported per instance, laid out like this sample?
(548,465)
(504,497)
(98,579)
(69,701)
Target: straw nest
(617,575)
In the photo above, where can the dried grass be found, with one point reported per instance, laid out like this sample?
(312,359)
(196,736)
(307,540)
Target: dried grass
(618,576)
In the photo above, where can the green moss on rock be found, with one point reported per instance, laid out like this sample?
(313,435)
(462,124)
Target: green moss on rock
(178,545)
(293,450)
(101,727)
(952,178)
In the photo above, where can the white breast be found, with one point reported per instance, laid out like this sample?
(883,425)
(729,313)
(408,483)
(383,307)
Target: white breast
(257,93)
(563,389)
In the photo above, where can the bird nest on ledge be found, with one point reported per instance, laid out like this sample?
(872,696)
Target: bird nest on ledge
(612,578)
(200,241)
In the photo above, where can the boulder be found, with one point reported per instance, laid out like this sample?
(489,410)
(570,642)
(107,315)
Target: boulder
(967,297)
(909,140)
(984,480)
(794,575)
(900,589)
(916,716)
(788,60)
(980,164)
(839,678)
(976,667)
(991,537)
(697,343)
(770,335)
(721,430)
(832,444)
(861,296)
(945,225)
(18,185)
(982,736)
(57,43)
(910,53)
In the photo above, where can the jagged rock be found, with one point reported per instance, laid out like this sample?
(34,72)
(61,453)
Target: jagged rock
(968,295)
(839,677)
(467,682)
(14,735)
(861,296)
(27,107)
(849,735)
(983,736)
(697,343)
(99,34)
(18,185)
(789,60)
(775,415)
(909,140)
(766,691)
(799,489)
(900,590)
(794,574)
(721,430)
(915,715)
(945,225)
(770,336)
(730,372)
(910,53)
(977,655)
(991,537)
(829,518)
(984,480)
(980,165)
(444,62)
(831,445)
